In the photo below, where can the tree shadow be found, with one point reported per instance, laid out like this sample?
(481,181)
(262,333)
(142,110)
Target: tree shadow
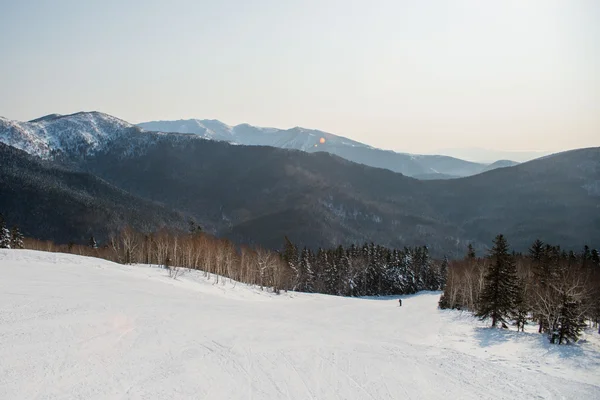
(402,296)
(488,336)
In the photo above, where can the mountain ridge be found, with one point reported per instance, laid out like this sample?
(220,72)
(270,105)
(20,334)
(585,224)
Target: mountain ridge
(259,194)
(310,140)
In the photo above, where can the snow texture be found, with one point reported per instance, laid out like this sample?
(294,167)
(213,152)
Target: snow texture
(295,138)
(82,133)
(74,327)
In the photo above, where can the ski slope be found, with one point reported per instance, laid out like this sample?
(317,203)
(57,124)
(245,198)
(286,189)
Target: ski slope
(73,327)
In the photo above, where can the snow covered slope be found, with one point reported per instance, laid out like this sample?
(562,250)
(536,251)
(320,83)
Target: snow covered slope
(81,133)
(83,328)
(244,134)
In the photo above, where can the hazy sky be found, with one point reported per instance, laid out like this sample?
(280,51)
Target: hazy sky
(413,76)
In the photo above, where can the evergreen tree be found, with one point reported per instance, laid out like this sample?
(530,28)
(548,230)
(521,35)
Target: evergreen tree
(92,243)
(536,251)
(330,271)
(443,273)
(595,257)
(521,311)
(568,323)
(587,254)
(305,277)
(497,299)
(4,234)
(471,252)
(194,228)
(16,238)
(290,254)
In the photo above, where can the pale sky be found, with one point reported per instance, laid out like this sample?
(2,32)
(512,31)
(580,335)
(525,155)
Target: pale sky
(415,76)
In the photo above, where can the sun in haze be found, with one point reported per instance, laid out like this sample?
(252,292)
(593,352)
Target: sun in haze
(322,140)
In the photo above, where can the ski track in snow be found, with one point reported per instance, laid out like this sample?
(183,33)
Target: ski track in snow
(82,328)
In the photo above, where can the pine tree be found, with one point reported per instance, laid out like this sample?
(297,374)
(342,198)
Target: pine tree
(497,300)
(305,275)
(595,257)
(568,323)
(290,254)
(4,235)
(521,309)
(16,238)
(443,273)
(194,228)
(471,252)
(330,272)
(92,242)
(536,251)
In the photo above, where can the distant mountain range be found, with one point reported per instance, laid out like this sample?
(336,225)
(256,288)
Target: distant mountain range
(417,166)
(489,156)
(93,173)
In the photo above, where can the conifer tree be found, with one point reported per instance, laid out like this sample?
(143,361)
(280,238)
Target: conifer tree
(536,251)
(92,242)
(305,277)
(16,238)
(443,273)
(521,308)
(497,300)
(4,234)
(290,254)
(471,252)
(595,257)
(568,323)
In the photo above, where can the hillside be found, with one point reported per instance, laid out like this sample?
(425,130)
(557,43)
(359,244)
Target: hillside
(555,198)
(310,140)
(77,134)
(50,202)
(259,194)
(91,329)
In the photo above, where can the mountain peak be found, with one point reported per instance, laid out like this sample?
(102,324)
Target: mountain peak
(78,133)
(48,117)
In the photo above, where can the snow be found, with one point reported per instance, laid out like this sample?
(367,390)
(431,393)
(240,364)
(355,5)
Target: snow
(81,132)
(84,328)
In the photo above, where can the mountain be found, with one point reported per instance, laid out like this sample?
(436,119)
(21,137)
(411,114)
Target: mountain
(555,198)
(500,164)
(419,166)
(82,133)
(50,202)
(487,156)
(258,194)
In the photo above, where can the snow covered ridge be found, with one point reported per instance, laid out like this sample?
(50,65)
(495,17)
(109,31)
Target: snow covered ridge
(309,140)
(80,134)
(86,133)
(295,138)
(84,328)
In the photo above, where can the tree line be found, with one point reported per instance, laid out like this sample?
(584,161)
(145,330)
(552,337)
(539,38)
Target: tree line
(10,239)
(555,290)
(367,270)
(558,291)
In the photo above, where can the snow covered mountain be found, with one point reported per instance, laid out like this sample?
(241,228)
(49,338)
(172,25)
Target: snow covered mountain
(420,166)
(86,133)
(259,194)
(81,133)
(296,138)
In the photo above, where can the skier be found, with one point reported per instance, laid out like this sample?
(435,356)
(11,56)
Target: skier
(400,301)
